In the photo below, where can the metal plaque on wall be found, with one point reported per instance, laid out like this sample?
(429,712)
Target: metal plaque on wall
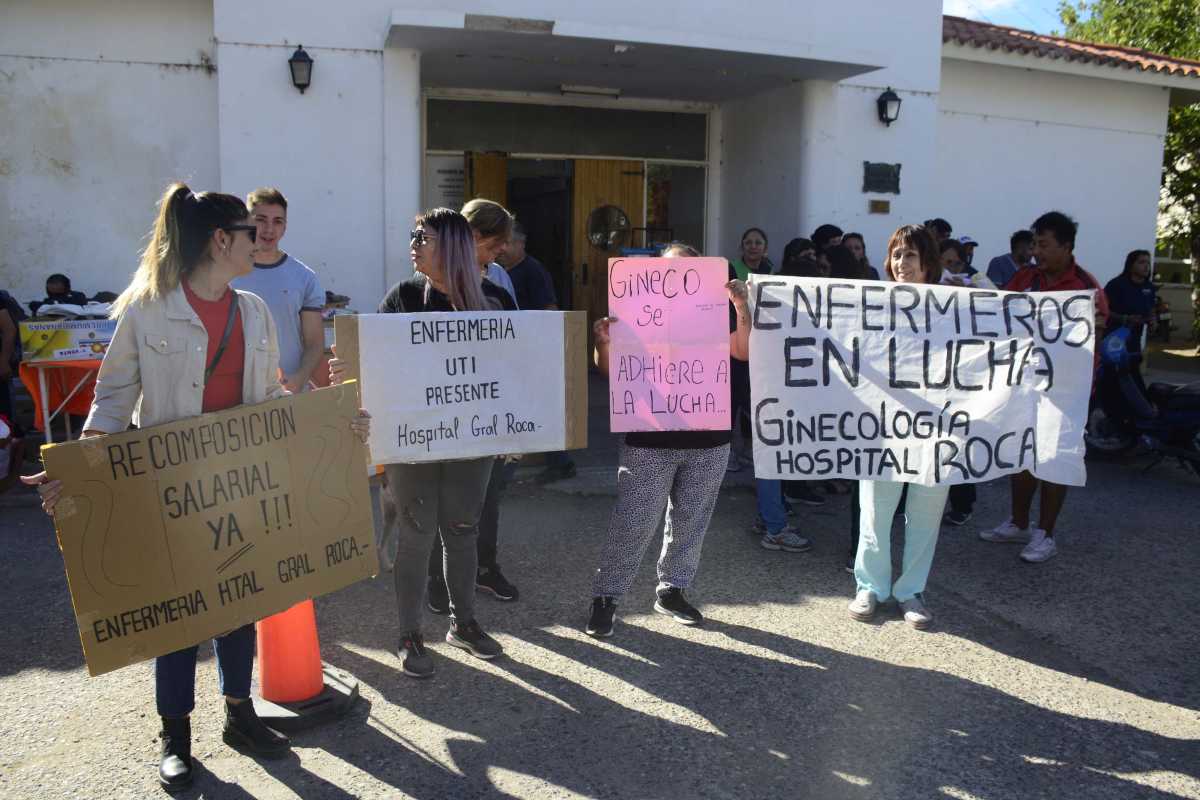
(879,177)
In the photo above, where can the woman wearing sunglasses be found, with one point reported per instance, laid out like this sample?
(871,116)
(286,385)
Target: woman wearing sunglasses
(435,497)
(186,344)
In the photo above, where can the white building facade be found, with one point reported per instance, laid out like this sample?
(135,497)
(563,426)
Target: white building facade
(696,121)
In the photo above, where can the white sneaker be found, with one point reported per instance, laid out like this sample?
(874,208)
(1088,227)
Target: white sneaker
(862,607)
(1006,532)
(1040,548)
(916,613)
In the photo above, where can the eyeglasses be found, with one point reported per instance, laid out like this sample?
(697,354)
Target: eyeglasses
(418,238)
(251,231)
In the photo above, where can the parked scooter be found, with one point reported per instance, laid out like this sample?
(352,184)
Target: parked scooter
(1163,417)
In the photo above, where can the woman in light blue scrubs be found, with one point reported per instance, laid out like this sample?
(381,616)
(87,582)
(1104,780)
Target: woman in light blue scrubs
(912,257)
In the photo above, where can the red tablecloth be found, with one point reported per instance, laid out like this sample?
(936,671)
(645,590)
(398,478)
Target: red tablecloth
(61,378)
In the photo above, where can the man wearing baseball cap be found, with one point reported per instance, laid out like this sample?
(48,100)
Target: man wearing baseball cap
(969,246)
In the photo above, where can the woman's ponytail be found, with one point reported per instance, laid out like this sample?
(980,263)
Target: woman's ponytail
(178,241)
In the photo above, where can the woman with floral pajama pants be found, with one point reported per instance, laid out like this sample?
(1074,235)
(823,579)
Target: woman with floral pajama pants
(679,470)
(683,472)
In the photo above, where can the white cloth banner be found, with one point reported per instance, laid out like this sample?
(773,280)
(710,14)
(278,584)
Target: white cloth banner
(445,386)
(918,383)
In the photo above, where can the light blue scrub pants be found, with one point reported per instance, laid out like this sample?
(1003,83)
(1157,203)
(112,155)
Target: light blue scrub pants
(923,520)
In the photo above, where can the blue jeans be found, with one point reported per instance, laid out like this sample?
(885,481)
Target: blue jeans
(922,522)
(175,673)
(770,504)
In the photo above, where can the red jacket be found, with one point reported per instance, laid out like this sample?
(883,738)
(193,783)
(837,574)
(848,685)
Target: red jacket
(1032,279)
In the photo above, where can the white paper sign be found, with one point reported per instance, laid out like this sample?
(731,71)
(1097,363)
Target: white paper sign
(462,385)
(918,383)
(445,181)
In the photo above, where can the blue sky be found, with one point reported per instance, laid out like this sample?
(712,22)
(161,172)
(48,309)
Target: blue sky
(1036,15)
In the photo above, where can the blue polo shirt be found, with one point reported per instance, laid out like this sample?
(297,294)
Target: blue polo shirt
(1126,297)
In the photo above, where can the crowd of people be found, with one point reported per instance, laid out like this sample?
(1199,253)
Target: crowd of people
(214,278)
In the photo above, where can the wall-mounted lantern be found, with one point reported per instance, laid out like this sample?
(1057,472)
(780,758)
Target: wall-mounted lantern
(888,104)
(301,65)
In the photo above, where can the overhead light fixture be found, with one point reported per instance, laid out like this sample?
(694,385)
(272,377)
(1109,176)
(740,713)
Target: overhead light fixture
(593,91)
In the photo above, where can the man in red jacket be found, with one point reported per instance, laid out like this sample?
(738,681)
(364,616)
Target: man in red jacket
(1056,270)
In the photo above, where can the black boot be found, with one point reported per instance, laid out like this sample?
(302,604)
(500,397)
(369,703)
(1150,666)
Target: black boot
(175,771)
(245,731)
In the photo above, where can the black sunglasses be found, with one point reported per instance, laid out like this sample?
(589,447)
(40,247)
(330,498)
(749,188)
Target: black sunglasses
(419,238)
(251,230)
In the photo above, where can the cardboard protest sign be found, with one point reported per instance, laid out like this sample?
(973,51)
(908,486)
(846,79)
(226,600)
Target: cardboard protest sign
(668,362)
(450,385)
(179,532)
(918,383)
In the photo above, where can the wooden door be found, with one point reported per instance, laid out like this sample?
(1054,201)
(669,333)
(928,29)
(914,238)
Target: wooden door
(487,177)
(600,183)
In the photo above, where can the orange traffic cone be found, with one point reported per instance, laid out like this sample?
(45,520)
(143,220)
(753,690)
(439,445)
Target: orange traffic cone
(289,655)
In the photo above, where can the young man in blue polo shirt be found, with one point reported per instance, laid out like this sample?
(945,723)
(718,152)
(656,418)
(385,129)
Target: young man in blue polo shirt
(291,290)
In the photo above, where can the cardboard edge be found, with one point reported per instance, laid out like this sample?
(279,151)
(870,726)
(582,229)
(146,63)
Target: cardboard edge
(345,339)
(575,379)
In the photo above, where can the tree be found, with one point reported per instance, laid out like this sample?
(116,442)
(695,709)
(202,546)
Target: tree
(1169,27)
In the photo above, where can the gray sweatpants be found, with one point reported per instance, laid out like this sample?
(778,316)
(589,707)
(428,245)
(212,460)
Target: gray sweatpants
(686,482)
(446,496)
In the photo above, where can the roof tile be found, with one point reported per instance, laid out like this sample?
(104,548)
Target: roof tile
(1014,40)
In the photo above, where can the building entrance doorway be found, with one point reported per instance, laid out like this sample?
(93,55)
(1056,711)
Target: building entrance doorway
(555,164)
(555,199)
(539,194)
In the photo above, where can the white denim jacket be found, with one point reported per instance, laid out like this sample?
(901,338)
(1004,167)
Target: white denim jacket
(153,371)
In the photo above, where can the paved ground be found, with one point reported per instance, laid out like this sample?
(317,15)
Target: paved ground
(1073,679)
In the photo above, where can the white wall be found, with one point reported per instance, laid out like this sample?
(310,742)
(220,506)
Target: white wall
(1013,143)
(838,197)
(101,105)
(792,159)
(323,149)
(760,169)
(857,31)
(346,95)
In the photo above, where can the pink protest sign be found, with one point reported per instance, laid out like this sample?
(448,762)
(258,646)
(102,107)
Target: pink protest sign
(668,364)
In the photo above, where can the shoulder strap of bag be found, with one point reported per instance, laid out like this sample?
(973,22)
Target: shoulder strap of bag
(216,359)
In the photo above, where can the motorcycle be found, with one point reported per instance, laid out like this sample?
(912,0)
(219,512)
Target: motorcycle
(1164,418)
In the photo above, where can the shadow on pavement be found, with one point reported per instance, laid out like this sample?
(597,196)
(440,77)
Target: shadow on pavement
(798,720)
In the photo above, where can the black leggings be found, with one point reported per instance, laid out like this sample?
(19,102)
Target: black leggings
(739,394)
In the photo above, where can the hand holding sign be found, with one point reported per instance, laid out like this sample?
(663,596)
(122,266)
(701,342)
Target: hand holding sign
(600,331)
(47,489)
(739,294)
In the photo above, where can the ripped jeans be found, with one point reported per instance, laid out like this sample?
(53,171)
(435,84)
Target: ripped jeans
(446,496)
